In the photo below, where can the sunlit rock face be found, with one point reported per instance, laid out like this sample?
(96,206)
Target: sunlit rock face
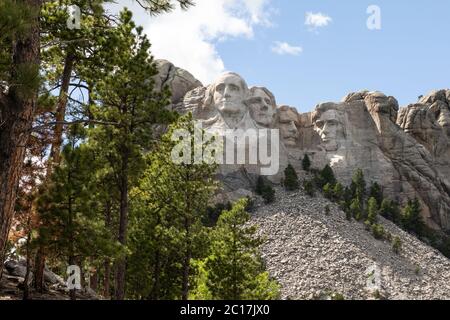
(179,81)
(345,137)
(427,123)
(405,150)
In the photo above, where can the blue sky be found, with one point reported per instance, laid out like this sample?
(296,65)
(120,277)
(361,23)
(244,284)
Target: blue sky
(408,57)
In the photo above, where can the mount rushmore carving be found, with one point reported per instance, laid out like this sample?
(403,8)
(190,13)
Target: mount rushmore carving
(406,150)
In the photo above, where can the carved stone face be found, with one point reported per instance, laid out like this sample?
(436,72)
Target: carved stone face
(229,94)
(331,129)
(288,128)
(262,108)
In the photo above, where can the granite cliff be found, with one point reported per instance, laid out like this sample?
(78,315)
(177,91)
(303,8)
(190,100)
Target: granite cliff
(406,150)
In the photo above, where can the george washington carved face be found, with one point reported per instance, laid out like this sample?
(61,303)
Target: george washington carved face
(229,93)
(228,96)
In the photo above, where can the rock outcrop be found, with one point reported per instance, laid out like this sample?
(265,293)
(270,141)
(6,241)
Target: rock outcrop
(406,150)
(179,81)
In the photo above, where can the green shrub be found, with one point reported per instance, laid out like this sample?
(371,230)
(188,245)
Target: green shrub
(378,231)
(372,211)
(327,176)
(412,217)
(260,183)
(337,297)
(268,194)
(265,190)
(397,245)
(308,186)
(328,191)
(338,192)
(291,179)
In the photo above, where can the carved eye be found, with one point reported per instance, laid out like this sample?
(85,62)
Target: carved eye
(319,124)
(220,87)
(332,123)
(267,101)
(254,100)
(234,87)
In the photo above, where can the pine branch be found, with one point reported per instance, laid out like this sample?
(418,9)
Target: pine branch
(70,123)
(155,7)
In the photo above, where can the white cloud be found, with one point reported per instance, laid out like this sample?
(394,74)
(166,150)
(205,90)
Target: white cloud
(317,20)
(188,38)
(284,48)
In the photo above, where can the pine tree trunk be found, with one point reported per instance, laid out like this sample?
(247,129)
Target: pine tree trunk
(26,287)
(123,222)
(16,117)
(154,294)
(187,261)
(93,281)
(107,263)
(106,280)
(55,155)
(39,268)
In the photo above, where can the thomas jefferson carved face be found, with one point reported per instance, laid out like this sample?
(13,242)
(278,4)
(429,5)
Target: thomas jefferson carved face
(262,107)
(229,94)
(288,119)
(329,125)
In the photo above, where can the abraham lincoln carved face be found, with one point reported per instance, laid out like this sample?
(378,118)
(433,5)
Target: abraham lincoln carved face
(329,124)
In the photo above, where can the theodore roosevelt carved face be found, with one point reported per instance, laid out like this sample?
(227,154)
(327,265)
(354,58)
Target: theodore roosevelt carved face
(288,120)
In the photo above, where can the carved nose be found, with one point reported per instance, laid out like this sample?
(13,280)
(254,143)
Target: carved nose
(227,92)
(292,128)
(264,108)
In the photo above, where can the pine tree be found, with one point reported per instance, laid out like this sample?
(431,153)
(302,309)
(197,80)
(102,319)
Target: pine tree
(233,269)
(372,211)
(306,163)
(268,194)
(72,224)
(328,191)
(308,186)
(19,85)
(22,30)
(291,179)
(376,192)
(356,209)
(359,185)
(391,211)
(128,106)
(260,184)
(172,200)
(327,176)
(397,245)
(412,217)
(264,189)
(338,192)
